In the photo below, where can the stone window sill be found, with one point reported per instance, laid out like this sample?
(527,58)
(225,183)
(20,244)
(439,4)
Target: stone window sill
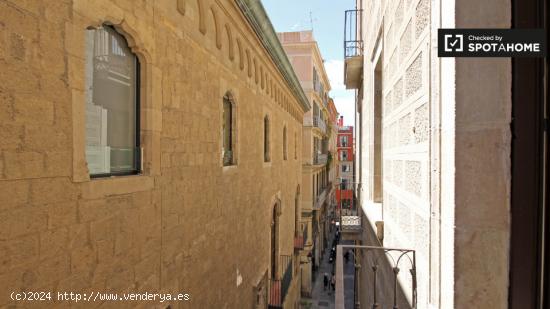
(101,187)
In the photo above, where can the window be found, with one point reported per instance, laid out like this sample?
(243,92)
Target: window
(315,79)
(266,140)
(344,184)
(284,144)
(295,146)
(112,104)
(228,129)
(345,168)
(343,141)
(343,155)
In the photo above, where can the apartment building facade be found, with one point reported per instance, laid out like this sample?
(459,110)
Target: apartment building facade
(449,156)
(346,181)
(137,138)
(303,52)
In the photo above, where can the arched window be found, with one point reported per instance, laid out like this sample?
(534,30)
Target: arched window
(228,131)
(284,144)
(267,157)
(112,104)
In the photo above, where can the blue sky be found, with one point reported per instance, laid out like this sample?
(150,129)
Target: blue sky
(328,30)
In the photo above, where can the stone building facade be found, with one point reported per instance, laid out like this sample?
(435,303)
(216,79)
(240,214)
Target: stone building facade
(181,223)
(434,146)
(303,52)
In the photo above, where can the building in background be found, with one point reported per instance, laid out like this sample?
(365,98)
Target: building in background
(448,158)
(345,187)
(330,212)
(304,55)
(149,146)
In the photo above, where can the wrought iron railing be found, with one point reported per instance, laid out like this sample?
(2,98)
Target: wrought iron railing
(385,265)
(319,123)
(321,159)
(353,42)
(280,283)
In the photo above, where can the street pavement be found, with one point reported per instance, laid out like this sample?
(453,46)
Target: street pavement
(324,298)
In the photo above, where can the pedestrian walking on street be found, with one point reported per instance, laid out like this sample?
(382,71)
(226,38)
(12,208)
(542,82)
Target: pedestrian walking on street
(325,281)
(346,256)
(333,282)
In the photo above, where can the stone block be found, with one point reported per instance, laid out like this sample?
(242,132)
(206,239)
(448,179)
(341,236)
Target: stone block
(53,242)
(83,259)
(11,136)
(45,138)
(105,251)
(62,214)
(57,164)
(422,14)
(20,164)
(26,220)
(19,251)
(405,130)
(54,268)
(406,42)
(92,210)
(421,124)
(398,93)
(483,185)
(413,177)
(58,11)
(99,188)
(104,229)
(6,106)
(32,109)
(13,194)
(413,76)
(479,280)
(53,190)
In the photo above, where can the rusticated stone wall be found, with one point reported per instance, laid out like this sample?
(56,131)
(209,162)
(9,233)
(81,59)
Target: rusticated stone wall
(186,224)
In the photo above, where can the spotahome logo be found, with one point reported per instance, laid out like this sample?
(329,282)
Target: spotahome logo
(454,42)
(491,43)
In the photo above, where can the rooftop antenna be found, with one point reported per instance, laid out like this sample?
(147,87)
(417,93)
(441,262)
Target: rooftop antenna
(311,19)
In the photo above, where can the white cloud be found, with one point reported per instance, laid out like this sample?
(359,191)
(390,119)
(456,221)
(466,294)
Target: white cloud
(345,105)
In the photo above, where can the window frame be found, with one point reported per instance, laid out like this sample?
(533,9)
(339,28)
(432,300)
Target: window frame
(138,159)
(233,129)
(267,139)
(285,142)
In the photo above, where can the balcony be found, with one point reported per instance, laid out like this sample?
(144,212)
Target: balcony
(278,286)
(315,122)
(390,279)
(353,49)
(320,159)
(350,224)
(321,198)
(319,123)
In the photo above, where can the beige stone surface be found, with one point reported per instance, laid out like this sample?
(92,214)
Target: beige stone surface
(187,224)
(446,148)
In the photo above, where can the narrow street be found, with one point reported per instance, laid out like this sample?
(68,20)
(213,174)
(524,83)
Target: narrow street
(324,298)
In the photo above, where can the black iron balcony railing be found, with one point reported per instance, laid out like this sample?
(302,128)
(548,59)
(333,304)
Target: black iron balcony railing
(353,42)
(384,268)
(279,284)
(320,159)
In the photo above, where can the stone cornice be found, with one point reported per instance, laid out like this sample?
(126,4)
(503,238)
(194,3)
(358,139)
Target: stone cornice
(255,13)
